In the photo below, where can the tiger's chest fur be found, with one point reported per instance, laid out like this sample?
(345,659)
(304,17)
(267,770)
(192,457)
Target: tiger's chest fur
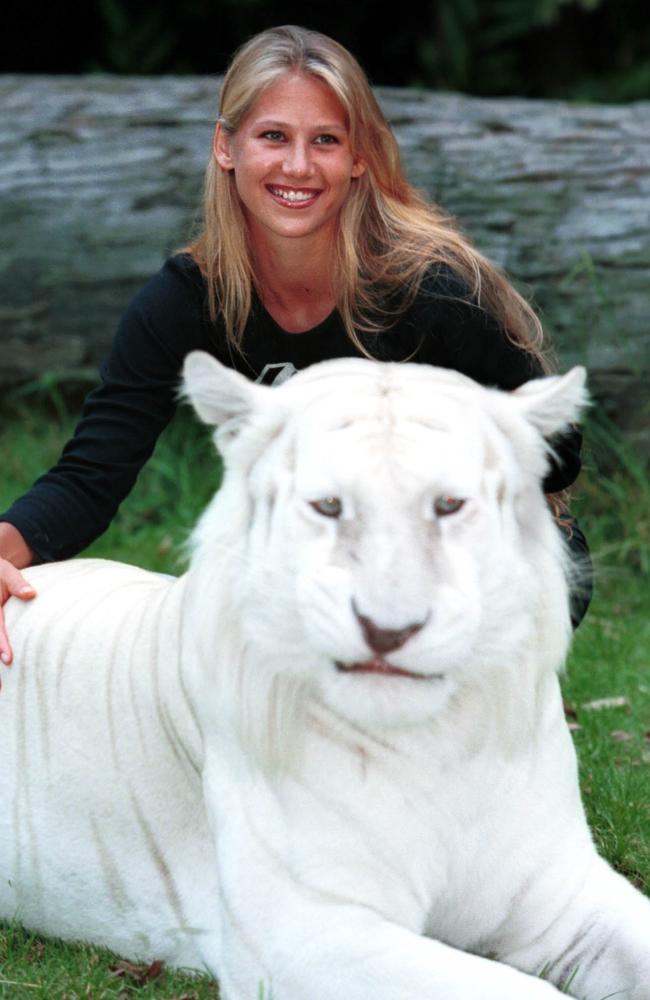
(417,826)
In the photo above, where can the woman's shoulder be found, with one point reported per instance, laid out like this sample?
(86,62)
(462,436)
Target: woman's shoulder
(178,282)
(441,281)
(448,300)
(166,319)
(445,306)
(175,296)
(465,334)
(184,266)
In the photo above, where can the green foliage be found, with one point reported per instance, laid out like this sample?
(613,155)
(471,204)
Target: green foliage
(576,49)
(136,40)
(153,525)
(617,484)
(580,49)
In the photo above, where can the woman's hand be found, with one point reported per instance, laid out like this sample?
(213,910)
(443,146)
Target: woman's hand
(12,584)
(15,554)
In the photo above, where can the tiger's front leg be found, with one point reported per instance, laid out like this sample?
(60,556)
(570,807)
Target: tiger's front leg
(338,951)
(599,941)
(281,939)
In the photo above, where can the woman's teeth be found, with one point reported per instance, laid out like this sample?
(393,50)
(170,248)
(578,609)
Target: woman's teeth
(292,195)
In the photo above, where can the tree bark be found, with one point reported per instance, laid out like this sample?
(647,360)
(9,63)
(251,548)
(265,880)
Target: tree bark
(101,179)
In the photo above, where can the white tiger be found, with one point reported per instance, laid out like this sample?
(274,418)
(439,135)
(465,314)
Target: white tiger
(330,762)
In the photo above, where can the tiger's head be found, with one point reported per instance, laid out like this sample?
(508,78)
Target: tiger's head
(381,533)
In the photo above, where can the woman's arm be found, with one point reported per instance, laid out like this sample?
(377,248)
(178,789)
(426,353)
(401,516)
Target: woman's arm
(73,503)
(13,547)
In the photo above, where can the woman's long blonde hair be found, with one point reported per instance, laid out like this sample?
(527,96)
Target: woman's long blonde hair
(388,234)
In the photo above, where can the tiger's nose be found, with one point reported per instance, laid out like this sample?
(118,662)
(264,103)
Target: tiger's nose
(385,640)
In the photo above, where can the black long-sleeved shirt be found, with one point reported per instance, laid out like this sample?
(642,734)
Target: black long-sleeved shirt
(73,503)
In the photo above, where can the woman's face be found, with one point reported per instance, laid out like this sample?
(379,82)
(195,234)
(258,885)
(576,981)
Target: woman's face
(292,160)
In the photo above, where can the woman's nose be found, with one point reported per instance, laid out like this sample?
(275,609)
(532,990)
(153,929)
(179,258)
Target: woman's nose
(297,161)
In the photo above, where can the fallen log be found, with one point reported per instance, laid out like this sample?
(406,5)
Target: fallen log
(101,176)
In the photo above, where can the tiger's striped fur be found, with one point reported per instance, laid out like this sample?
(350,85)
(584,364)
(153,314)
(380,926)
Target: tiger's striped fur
(331,758)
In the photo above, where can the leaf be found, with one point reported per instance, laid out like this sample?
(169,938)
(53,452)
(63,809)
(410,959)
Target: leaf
(621,736)
(140,974)
(599,703)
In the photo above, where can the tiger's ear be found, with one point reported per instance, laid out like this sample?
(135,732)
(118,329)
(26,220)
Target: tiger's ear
(550,404)
(221,397)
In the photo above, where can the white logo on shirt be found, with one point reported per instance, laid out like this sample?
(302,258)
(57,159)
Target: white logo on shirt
(277,373)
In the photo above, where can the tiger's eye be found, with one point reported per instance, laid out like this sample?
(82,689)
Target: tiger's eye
(447,505)
(327,506)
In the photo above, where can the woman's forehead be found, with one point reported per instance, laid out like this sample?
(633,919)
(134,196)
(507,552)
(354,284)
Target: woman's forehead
(297,98)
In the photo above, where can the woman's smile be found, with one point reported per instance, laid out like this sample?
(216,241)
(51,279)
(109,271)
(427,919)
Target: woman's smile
(290,197)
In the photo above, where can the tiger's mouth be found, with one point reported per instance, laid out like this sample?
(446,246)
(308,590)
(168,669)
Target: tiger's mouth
(379,666)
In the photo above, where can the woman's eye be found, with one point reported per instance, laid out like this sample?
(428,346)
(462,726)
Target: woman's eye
(326,140)
(273,135)
(327,506)
(445,505)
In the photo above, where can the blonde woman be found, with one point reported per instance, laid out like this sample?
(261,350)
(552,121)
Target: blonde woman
(314,246)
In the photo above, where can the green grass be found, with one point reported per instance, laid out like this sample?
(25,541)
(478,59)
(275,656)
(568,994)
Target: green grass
(610,658)
(32,968)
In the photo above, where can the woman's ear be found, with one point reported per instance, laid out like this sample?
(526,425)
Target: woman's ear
(221,148)
(358,167)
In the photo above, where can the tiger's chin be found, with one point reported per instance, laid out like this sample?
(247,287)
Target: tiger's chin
(375,693)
